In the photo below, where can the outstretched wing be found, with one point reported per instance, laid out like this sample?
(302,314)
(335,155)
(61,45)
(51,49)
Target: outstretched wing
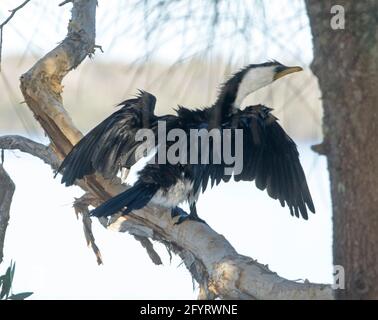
(111,144)
(270,157)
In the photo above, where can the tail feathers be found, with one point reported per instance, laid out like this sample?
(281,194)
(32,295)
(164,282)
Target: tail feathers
(133,199)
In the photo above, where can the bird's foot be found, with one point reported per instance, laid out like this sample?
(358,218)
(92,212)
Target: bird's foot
(177,211)
(182,218)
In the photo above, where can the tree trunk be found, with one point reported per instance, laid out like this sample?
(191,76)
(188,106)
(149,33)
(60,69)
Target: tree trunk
(6,194)
(346,64)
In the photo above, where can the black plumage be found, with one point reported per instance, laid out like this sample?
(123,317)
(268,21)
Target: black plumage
(111,144)
(270,156)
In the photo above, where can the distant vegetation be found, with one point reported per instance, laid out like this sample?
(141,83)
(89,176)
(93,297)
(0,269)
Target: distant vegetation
(92,92)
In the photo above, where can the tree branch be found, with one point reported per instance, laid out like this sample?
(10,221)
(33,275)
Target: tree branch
(15,142)
(13,12)
(81,207)
(212,261)
(6,193)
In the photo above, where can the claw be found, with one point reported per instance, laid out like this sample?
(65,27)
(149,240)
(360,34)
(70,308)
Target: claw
(189,217)
(177,211)
(183,216)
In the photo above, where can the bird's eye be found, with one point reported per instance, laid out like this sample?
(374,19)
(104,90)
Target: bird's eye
(280,68)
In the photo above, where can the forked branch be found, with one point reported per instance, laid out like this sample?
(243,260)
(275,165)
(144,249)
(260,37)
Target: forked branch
(212,261)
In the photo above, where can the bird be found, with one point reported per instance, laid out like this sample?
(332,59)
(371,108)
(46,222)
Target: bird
(270,156)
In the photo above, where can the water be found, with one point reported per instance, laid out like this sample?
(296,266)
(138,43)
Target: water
(46,240)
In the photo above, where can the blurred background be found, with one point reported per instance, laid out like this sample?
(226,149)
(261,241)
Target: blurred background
(181,51)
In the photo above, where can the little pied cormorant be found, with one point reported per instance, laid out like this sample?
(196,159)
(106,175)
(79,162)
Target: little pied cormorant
(270,156)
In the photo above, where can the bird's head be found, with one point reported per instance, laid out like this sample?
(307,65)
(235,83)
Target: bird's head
(256,76)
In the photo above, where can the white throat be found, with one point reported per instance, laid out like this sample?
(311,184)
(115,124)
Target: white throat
(254,79)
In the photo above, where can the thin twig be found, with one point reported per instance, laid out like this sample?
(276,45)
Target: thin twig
(64,2)
(81,207)
(147,244)
(13,12)
(96,46)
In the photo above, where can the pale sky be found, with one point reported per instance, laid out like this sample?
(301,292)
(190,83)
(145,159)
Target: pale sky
(46,240)
(280,31)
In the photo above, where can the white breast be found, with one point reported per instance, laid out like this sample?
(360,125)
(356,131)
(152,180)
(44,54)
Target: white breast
(129,177)
(174,195)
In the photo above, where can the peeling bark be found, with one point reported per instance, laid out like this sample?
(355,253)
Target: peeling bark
(226,273)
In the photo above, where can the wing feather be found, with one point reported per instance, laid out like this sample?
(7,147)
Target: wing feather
(270,157)
(111,144)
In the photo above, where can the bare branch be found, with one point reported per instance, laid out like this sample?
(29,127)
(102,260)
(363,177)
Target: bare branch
(97,46)
(6,193)
(212,261)
(15,142)
(45,153)
(13,12)
(81,207)
(147,244)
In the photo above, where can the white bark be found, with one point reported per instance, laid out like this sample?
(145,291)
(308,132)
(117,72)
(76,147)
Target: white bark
(213,262)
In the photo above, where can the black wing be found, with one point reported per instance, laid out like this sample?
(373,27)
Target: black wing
(111,144)
(270,157)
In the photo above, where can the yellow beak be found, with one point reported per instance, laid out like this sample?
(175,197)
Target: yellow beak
(287,71)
